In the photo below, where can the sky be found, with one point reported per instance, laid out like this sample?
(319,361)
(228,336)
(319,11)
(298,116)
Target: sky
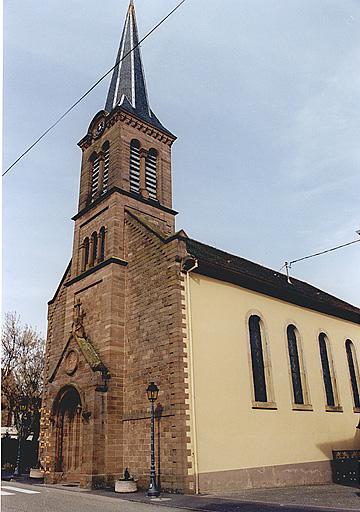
(263,95)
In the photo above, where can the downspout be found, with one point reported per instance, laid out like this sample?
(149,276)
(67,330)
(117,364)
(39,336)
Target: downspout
(191,373)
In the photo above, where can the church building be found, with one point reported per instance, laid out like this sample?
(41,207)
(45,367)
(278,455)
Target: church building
(258,374)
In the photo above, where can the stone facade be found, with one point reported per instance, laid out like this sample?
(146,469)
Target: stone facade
(131,322)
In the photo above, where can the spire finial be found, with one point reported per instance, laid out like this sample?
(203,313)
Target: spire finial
(128,80)
(128,87)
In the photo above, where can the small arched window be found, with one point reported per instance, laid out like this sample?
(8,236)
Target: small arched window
(327,370)
(134,166)
(102,244)
(353,371)
(150,173)
(295,368)
(106,150)
(94,240)
(95,165)
(257,359)
(86,253)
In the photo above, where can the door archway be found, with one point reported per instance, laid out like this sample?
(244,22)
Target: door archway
(68,432)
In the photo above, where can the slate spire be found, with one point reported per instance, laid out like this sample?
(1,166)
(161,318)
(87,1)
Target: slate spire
(128,86)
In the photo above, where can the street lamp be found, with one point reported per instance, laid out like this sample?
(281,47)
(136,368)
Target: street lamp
(22,408)
(152,394)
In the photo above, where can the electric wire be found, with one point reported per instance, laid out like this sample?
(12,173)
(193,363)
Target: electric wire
(91,88)
(324,252)
(288,264)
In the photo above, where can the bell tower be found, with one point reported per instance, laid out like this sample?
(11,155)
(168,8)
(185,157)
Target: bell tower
(119,301)
(126,154)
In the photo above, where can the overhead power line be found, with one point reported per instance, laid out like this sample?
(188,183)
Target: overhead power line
(287,265)
(323,252)
(91,89)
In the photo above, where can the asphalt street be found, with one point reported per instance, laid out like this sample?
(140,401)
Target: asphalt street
(19,497)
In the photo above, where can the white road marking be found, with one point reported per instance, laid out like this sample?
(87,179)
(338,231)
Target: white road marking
(19,489)
(4,493)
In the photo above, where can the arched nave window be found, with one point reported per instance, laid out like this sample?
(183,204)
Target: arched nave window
(261,392)
(295,367)
(353,371)
(328,371)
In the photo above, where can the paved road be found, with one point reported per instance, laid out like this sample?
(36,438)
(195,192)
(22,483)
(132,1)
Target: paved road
(18,497)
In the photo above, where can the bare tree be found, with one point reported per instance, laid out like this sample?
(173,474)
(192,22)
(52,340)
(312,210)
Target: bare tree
(22,372)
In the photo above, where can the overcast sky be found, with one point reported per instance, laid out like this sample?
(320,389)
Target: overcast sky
(264,96)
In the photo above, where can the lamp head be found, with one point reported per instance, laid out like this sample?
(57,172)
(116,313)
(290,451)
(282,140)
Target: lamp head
(24,402)
(152,392)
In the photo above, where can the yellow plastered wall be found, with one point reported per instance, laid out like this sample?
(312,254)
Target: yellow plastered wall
(230,433)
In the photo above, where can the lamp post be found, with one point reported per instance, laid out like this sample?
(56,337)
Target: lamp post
(22,411)
(152,394)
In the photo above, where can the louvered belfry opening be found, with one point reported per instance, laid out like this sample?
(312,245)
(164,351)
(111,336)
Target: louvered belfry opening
(150,173)
(94,176)
(135,166)
(106,149)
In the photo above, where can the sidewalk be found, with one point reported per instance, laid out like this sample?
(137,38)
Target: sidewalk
(321,497)
(325,498)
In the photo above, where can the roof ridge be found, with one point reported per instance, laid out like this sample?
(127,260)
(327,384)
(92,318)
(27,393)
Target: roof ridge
(321,295)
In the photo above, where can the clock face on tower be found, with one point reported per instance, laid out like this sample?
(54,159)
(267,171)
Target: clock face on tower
(100,127)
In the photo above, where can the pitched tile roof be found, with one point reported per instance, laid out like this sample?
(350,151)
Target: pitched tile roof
(227,267)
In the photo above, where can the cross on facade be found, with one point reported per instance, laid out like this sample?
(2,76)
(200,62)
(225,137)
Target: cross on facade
(77,326)
(77,313)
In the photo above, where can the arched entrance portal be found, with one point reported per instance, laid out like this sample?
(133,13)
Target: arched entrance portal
(69,433)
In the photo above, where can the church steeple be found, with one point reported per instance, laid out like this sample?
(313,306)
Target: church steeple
(128,86)
(127,150)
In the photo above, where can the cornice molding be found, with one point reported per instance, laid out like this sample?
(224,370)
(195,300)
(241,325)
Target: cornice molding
(120,114)
(92,270)
(123,192)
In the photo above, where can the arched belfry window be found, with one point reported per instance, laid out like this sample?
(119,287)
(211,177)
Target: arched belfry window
(95,165)
(327,371)
(86,253)
(257,359)
(102,244)
(106,150)
(353,371)
(94,241)
(150,173)
(295,365)
(134,166)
